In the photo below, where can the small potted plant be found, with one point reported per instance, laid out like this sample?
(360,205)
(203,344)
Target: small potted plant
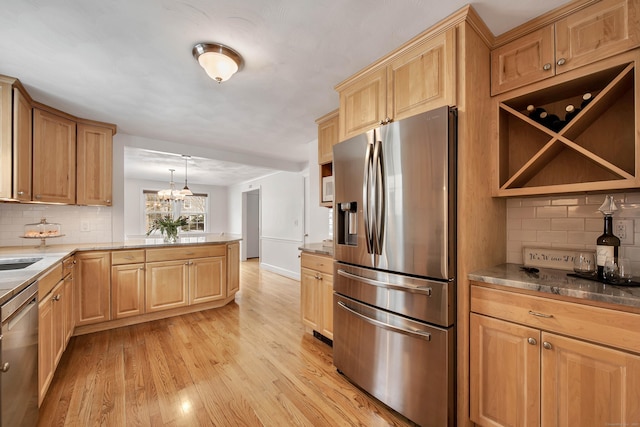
(168,227)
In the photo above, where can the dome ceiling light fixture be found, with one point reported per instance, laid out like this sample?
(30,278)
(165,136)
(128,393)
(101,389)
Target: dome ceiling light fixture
(219,61)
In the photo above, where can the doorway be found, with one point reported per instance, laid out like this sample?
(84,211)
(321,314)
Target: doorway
(251,224)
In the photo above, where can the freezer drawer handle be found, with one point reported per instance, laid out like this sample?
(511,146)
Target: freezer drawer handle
(420,334)
(407,288)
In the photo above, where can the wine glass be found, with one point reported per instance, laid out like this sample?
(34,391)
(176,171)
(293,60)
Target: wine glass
(610,271)
(624,270)
(584,263)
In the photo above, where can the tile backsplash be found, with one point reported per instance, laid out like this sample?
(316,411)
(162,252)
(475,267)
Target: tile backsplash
(568,222)
(79,224)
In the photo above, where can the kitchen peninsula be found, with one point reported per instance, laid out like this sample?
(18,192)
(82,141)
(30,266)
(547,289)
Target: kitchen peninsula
(88,288)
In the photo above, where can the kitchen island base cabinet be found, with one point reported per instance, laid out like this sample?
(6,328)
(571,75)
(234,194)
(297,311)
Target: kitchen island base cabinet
(127,290)
(166,284)
(530,375)
(207,278)
(233,268)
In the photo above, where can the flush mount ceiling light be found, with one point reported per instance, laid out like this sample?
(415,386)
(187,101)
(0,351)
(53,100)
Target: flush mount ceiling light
(219,61)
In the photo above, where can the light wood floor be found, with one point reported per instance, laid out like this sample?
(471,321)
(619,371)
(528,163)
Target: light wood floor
(249,363)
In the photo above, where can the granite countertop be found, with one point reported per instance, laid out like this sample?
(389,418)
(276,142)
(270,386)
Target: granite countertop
(14,281)
(318,248)
(557,282)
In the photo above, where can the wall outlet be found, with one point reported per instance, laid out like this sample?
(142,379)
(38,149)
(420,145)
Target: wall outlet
(84,226)
(623,228)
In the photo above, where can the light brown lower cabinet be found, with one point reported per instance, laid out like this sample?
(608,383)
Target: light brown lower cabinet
(127,290)
(207,277)
(524,375)
(233,268)
(93,289)
(55,329)
(166,285)
(316,293)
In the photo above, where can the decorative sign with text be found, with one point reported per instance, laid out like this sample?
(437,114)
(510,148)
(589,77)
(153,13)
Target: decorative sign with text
(562,259)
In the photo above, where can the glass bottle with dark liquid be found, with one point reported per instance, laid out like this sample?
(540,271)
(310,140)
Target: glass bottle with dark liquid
(607,244)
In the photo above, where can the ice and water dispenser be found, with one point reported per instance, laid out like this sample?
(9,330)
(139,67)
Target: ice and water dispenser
(348,223)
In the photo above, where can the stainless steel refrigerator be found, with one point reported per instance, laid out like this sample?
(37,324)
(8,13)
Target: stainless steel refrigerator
(394,274)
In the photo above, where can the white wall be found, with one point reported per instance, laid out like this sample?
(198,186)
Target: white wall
(134,205)
(316,216)
(282,219)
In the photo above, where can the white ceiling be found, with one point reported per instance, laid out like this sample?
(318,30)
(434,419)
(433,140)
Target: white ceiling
(129,62)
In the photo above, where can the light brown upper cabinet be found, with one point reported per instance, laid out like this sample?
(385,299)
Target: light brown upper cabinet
(95,165)
(54,158)
(596,32)
(327,136)
(15,141)
(328,131)
(595,151)
(406,83)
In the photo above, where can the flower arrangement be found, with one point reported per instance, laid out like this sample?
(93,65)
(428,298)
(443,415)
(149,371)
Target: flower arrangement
(168,227)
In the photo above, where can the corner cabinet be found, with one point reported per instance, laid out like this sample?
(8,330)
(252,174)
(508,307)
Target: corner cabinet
(538,361)
(596,151)
(417,79)
(95,165)
(599,31)
(316,293)
(54,158)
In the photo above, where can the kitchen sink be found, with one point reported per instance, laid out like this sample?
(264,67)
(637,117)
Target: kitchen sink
(17,263)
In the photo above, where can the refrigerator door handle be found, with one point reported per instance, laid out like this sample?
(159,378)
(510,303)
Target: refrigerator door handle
(412,332)
(407,288)
(366,202)
(378,191)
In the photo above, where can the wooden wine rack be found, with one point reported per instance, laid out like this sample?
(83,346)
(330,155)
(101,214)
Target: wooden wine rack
(596,151)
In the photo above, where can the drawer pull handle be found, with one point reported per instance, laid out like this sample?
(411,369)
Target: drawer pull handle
(532,341)
(128,257)
(535,313)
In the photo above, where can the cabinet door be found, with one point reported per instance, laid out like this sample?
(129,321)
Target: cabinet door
(207,277)
(309,298)
(54,158)
(95,165)
(45,346)
(327,137)
(363,104)
(596,32)
(523,61)
(93,276)
(233,268)
(166,285)
(127,290)
(22,146)
(69,321)
(504,373)
(587,385)
(326,288)
(423,78)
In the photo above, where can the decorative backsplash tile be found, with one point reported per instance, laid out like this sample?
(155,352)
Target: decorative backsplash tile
(568,223)
(79,224)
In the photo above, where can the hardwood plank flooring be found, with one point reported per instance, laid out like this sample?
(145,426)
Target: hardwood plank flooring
(249,363)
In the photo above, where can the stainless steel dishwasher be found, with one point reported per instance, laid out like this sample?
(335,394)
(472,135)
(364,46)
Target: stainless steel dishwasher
(19,359)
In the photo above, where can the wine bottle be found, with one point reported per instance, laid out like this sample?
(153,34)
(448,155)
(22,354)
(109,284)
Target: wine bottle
(535,113)
(606,245)
(571,113)
(586,99)
(551,121)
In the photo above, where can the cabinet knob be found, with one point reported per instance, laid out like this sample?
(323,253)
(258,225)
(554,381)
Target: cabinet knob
(56,298)
(20,193)
(532,341)
(4,367)
(386,121)
(38,196)
(547,345)
(107,201)
(561,61)
(546,66)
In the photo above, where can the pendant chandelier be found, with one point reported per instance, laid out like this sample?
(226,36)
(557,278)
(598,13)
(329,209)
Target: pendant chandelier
(170,193)
(185,191)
